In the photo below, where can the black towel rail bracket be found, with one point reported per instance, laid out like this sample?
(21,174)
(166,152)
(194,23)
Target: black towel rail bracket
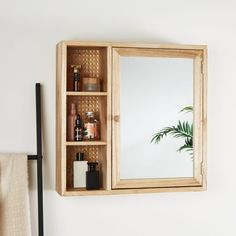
(38,157)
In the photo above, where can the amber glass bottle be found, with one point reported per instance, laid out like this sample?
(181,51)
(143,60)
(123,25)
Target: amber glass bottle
(91,127)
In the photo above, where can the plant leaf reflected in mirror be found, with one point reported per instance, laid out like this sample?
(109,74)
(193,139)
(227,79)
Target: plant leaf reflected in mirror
(152,92)
(181,130)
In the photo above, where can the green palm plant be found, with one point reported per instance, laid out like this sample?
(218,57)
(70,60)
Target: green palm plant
(181,130)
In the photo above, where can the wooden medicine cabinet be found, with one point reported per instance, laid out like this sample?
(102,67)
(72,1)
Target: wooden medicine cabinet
(151,108)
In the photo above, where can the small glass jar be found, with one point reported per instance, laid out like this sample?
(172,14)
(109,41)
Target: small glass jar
(91,84)
(91,127)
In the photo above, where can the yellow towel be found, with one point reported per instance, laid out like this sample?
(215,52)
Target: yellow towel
(14,196)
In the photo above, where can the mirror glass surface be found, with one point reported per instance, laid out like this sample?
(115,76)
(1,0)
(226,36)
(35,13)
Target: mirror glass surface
(153,91)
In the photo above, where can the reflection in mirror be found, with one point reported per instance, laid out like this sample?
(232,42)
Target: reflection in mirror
(156,99)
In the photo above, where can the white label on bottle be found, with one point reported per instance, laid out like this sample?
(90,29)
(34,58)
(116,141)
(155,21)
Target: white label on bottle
(79,173)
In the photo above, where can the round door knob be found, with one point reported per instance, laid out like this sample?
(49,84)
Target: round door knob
(116,118)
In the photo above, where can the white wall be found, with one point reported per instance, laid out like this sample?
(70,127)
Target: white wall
(29,31)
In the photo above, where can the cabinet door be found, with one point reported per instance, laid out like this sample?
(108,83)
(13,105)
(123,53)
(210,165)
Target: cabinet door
(158,117)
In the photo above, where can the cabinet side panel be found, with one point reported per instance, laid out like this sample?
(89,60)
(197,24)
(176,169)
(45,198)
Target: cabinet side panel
(60,144)
(204,143)
(200,103)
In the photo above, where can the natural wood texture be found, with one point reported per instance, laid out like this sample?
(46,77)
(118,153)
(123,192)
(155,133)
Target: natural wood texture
(204,117)
(101,59)
(200,117)
(115,117)
(58,120)
(158,183)
(133,45)
(158,52)
(199,57)
(95,62)
(86,93)
(61,119)
(109,119)
(197,118)
(86,143)
(81,192)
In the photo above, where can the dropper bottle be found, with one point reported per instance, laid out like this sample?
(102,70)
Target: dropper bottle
(76,72)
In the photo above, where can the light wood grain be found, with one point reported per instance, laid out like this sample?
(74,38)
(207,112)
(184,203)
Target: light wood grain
(197,118)
(199,58)
(132,45)
(131,191)
(61,119)
(158,52)
(158,183)
(58,120)
(107,151)
(204,115)
(86,93)
(86,143)
(99,102)
(115,119)
(109,120)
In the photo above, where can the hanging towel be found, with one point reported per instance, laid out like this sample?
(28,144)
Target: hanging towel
(14,196)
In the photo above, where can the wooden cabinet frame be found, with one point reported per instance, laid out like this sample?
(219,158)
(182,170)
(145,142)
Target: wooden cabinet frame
(198,180)
(112,184)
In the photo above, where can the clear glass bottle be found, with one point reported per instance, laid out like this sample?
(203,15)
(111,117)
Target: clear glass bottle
(91,127)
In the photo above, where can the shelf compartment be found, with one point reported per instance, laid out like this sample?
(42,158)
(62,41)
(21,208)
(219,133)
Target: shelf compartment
(86,143)
(96,104)
(72,93)
(96,61)
(92,154)
(93,61)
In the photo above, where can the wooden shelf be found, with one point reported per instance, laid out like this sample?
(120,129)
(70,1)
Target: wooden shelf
(86,143)
(84,192)
(71,93)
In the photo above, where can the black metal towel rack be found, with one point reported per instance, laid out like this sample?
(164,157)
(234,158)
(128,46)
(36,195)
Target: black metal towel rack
(39,158)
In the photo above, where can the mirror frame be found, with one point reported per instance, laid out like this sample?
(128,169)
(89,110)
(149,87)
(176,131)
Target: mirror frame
(199,55)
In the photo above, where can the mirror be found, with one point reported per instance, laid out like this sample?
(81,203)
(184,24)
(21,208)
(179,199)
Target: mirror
(153,91)
(158,111)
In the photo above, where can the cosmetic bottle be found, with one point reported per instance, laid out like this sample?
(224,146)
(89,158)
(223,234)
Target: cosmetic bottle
(91,126)
(71,123)
(76,75)
(91,84)
(79,171)
(78,130)
(92,176)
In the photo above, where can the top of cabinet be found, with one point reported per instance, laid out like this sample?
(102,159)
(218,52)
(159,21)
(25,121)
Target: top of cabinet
(131,45)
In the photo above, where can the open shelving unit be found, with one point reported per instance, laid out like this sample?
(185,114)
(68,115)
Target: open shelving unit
(94,60)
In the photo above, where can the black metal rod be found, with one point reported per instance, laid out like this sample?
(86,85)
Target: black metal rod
(32,157)
(39,158)
(39,161)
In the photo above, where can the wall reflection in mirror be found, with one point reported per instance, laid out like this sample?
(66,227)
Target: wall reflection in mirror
(156,117)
